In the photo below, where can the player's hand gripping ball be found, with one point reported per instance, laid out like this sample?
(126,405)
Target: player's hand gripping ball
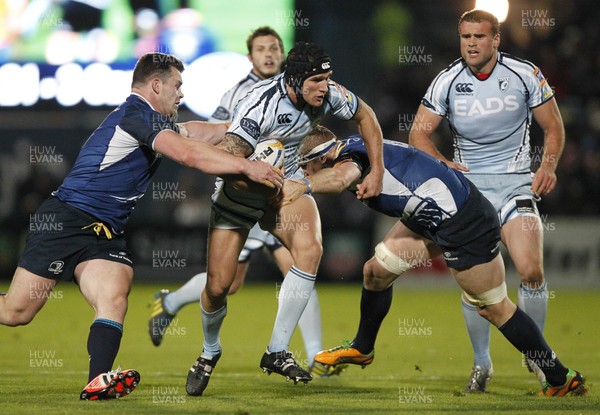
(269,151)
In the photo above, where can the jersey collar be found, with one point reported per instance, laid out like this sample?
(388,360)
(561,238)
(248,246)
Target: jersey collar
(144,99)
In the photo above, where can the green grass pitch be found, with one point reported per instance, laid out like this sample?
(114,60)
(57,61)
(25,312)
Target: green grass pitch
(422,358)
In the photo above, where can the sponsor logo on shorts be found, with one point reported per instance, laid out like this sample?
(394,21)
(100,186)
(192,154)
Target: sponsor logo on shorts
(525,206)
(448,256)
(120,255)
(56,267)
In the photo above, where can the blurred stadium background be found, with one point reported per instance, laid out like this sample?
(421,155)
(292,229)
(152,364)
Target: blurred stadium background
(64,65)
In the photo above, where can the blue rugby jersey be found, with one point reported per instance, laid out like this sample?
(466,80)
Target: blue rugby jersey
(267,112)
(116,163)
(490,119)
(417,188)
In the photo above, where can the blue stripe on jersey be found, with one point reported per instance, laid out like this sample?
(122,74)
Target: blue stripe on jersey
(416,187)
(116,163)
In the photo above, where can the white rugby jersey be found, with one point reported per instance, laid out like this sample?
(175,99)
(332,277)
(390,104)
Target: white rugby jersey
(224,111)
(267,112)
(490,119)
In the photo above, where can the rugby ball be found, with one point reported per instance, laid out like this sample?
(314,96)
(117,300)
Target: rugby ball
(269,151)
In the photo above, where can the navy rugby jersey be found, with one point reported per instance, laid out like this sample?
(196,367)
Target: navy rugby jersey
(268,113)
(490,119)
(417,188)
(116,163)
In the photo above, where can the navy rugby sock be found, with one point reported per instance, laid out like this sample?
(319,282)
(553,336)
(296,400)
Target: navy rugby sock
(524,334)
(374,306)
(103,344)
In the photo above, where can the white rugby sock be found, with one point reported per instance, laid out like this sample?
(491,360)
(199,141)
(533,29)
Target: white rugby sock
(211,325)
(310,326)
(293,297)
(534,301)
(188,293)
(479,333)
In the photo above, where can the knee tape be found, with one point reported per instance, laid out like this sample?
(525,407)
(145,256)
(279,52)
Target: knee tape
(493,296)
(387,259)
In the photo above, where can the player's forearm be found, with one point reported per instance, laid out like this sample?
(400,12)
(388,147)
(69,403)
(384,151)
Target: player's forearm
(212,160)
(236,146)
(554,142)
(420,139)
(203,131)
(370,131)
(421,130)
(334,179)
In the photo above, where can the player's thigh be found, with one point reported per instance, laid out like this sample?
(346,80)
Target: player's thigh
(295,224)
(26,295)
(105,285)
(298,228)
(480,278)
(524,238)
(402,250)
(407,245)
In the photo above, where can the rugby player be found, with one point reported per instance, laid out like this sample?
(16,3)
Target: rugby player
(266,53)
(77,234)
(438,211)
(286,107)
(489,97)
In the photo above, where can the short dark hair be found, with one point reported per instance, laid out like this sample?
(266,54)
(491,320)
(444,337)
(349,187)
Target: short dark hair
(478,16)
(263,31)
(153,65)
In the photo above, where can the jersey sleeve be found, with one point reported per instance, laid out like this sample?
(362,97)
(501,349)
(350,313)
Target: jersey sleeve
(349,158)
(251,119)
(145,126)
(539,89)
(348,153)
(435,97)
(344,103)
(225,110)
(222,113)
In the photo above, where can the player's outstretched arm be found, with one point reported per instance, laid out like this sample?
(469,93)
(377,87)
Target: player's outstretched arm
(212,160)
(370,131)
(203,131)
(239,147)
(425,123)
(328,180)
(548,117)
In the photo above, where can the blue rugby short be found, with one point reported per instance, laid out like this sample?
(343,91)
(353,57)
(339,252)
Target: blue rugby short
(470,237)
(61,236)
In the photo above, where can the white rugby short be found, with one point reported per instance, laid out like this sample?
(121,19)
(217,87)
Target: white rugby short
(510,193)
